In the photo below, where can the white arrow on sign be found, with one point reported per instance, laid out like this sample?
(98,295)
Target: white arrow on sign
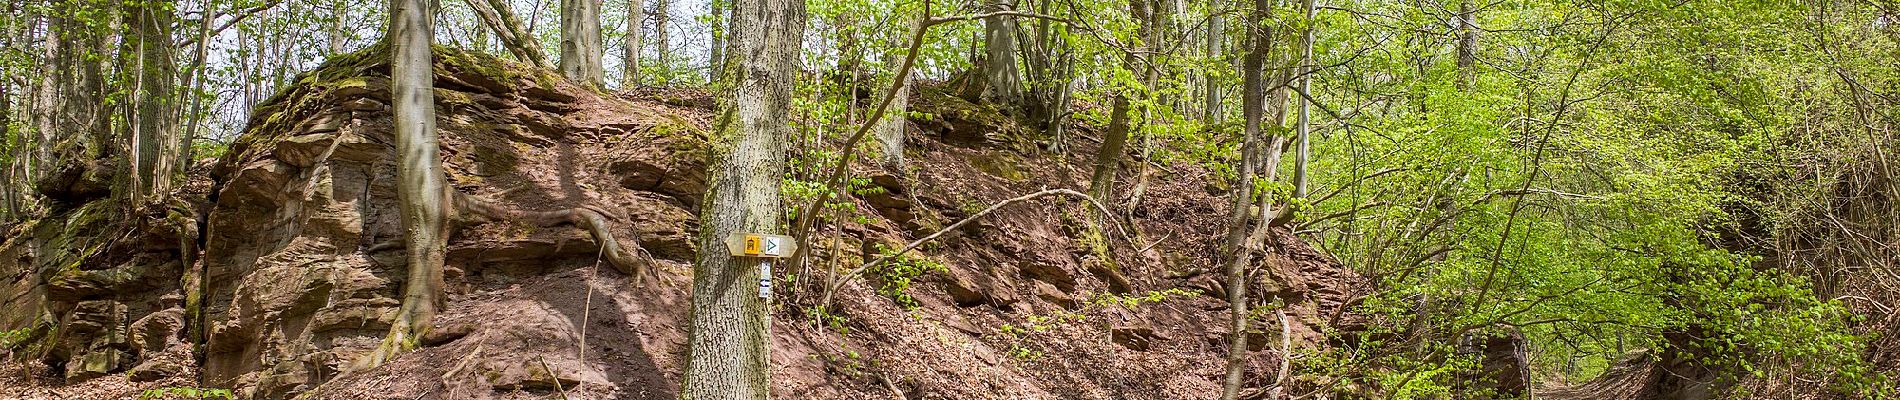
(760,245)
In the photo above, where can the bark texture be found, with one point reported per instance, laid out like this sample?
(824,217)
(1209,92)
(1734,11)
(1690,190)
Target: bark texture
(630,59)
(581,43)
(730,328)
(153,151)
(891,128)
(1115,140)
(1216,44)
(420,186)
(662,47)
(500,18)
(1003,80)
(1238,241)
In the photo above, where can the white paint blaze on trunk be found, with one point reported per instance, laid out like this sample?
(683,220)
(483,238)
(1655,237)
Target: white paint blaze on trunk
(581,43)
(727,357)
(420,189)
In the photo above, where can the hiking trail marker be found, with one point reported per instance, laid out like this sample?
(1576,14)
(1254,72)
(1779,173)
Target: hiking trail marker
(766,247)
(760,245)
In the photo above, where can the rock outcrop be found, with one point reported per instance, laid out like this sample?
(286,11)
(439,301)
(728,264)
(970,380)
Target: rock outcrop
(281,265)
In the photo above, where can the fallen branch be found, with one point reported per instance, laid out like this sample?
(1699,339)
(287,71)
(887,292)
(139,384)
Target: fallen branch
(833,288)
(501,20)
(592,219)
(552,377)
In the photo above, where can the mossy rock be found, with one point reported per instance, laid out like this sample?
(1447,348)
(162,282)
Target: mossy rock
(1001,165)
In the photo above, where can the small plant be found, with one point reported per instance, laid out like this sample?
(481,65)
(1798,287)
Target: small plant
(850,363)
(13,337)
(971,207)
(1025,353)
(186,392)
(895,275)
(824,317)
(1131,301)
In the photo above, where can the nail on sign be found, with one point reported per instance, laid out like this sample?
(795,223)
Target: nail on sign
(760,245)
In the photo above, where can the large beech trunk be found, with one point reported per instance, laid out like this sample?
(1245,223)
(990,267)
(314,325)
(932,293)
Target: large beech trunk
(727,353)
(630,60)
(420,188)
(580,42)
(1003,85)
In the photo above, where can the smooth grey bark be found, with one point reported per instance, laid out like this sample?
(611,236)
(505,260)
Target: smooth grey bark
(339,11)
(1003,81)
(630,59)
(1240,238)
(581,43)
(1216,44)
(1304,126)
(716,57)
(727,349)
(421,192)
(662,47)
(891,128)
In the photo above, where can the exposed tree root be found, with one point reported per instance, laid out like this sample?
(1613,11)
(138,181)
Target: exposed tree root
(593,219)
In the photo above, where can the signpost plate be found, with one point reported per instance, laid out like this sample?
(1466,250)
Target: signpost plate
(760,245)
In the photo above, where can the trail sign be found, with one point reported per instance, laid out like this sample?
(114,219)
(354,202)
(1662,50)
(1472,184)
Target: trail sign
(760,245)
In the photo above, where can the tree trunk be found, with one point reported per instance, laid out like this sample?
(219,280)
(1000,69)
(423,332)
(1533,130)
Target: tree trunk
(339,11)
(716,57)
(891,128)
(8,142)
(1216,44)
(1237,242)
(662,48)
(81,81)
(580,42)
(155,151)
(1108,158)
(499,16)
(1304,126)
(630,60)
(727,353)
(420,188)
(1115,139)
(1467,44)
(1004,81)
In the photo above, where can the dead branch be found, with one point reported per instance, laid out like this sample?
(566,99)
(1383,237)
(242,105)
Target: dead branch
(835,178)
(966,221)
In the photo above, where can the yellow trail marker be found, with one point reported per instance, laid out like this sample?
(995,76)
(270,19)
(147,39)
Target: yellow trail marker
(760,245)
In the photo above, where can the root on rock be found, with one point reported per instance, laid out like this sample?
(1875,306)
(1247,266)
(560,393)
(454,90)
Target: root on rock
(591,218)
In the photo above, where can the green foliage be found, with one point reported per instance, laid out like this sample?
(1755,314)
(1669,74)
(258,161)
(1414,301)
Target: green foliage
(186,393)
(824,316)
(11,338)
(893,277)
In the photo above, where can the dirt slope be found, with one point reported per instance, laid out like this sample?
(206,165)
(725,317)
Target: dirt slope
(300,272)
